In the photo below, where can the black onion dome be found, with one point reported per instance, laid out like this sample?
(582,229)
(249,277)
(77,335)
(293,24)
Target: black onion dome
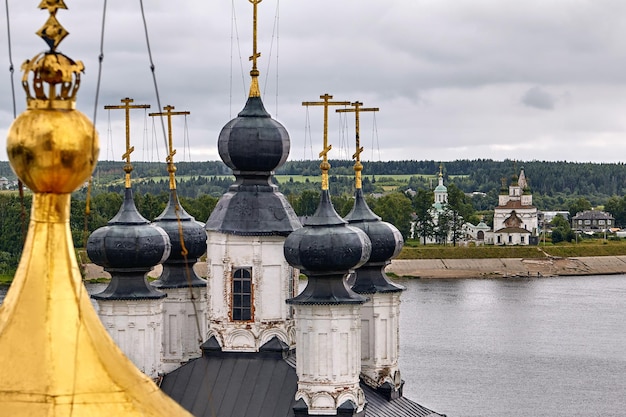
(386,244)
(253,145)
(175,273)
(194,236)
(325,250)
(253,141)
(128,247)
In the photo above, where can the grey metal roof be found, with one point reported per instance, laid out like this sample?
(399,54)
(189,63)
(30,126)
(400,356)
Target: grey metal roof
(260,384)
(234,385)
(592,215)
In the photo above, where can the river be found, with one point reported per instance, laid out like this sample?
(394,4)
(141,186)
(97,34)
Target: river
(515,347)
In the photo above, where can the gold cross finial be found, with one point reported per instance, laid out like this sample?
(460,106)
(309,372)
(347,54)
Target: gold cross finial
(128,168)
(358,167)
(171,168)
(325,166)
(440,169)
(254,73)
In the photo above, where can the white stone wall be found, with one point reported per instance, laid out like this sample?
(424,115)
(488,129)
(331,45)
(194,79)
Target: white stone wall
(184,325)
(329,356)
(380,342)
(135,326)
(273,281)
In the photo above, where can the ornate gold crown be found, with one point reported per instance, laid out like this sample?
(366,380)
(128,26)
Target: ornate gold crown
(52,68)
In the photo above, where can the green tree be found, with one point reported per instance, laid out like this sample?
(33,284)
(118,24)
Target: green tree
(617,207)
(442,229)
(307,203)
(579,205)
(561,230)
(394,208)
(423,204)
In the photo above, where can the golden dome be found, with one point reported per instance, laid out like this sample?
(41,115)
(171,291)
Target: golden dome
(52,151)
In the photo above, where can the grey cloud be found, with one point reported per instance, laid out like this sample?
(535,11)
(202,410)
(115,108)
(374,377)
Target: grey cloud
(538,98)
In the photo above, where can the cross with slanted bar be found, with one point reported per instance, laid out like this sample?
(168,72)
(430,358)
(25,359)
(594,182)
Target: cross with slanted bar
(325,166)
(171,151)
(128,168)
(358,167)
(254,73)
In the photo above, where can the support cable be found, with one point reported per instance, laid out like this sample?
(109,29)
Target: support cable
(152,68)
(95,117)
(269,60)
(11,68)
(20,185)
(235,31)
(375,137)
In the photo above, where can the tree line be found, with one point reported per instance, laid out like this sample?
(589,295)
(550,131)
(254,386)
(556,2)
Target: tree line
(555,186)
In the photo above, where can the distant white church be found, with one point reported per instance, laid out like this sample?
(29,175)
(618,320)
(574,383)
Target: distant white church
(515,217)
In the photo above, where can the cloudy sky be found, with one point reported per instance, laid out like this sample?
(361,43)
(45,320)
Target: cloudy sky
(454,79)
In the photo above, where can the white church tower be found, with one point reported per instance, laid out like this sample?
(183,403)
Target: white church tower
(328,312)
(128,247)
(380,314)
(441,191)
(184,321)
(249,278)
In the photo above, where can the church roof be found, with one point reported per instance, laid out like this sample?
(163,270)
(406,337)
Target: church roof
(259,384)
(513,230)
(515,204)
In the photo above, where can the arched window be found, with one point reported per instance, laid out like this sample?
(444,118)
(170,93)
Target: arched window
(242,294)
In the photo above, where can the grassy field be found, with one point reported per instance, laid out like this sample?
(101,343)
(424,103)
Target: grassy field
(595,247)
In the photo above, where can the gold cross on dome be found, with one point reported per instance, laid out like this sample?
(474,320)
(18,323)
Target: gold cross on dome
(171,168)
(325,166)
(254,72)
(358,167)
(128,168)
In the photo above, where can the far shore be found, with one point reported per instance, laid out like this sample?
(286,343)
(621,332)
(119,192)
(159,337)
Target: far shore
(465,268)
(508,267)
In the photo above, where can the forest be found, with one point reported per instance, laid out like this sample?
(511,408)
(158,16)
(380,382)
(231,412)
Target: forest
(473,186)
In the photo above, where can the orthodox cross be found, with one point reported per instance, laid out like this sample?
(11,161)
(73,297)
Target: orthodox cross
(254,73)
(128,168)
(358,167)
(325,166)
(171,151)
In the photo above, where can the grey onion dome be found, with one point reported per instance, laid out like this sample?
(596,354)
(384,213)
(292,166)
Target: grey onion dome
(386,241)
(128,247)
(325,249)
(178,268)
(253,145)
(253,141)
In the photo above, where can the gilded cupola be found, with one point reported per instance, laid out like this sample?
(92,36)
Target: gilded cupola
(56,358)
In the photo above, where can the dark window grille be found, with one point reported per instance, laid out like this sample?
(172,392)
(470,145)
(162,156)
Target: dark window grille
(242,294)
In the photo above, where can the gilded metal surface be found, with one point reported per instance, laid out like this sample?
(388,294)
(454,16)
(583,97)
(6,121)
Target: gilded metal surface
(254,72)
(171,168)
(128,168)
(56,358)
(325,166)
(52,151)
(358,167)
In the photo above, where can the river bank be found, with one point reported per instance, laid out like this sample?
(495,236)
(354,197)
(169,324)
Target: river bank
(507,267)
(467,268)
